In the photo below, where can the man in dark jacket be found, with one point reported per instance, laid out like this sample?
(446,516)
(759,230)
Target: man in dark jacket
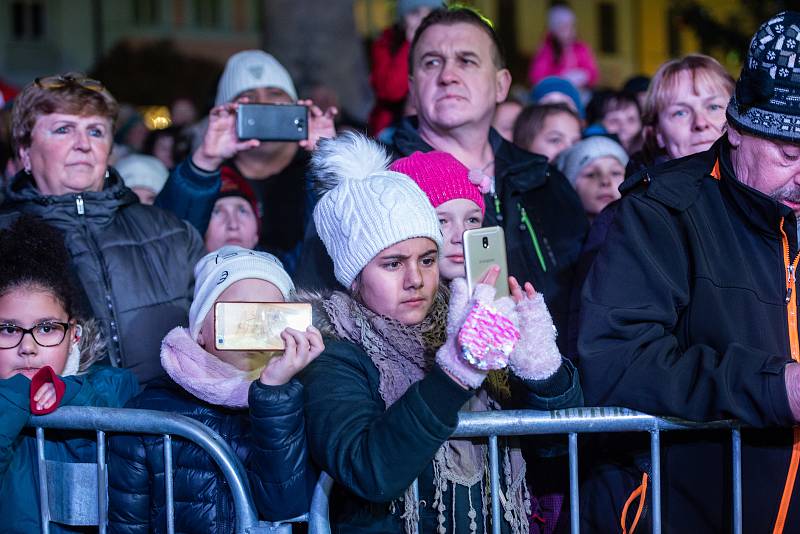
(458,77)
(690,310)
(275,170)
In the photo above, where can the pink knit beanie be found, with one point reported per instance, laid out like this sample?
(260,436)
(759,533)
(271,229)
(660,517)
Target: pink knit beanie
(441,176)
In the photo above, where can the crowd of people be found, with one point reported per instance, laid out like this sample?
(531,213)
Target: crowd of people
(652,243)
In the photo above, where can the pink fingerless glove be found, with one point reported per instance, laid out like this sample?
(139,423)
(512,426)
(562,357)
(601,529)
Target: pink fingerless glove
(449,356)
(536,356)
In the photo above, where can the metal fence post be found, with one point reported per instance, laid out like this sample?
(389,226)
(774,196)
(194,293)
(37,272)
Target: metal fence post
(102,483)
(574,499)
(655,483)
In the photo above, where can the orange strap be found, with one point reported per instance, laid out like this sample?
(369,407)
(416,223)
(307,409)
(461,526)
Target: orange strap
(641,493)
(715,171)
(794,345)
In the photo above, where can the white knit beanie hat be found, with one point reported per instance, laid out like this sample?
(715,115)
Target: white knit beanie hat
(251,69)
(139,170)
(217,271)
(365,207)
(572,160)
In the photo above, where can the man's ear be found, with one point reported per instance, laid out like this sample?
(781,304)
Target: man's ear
(502,84)
(734,136)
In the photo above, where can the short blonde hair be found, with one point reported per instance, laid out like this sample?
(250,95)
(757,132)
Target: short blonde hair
(71,93)
(704,70)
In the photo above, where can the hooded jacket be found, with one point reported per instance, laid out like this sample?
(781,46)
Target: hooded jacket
(686,313)
(19,486)
(268,437)
(134,263)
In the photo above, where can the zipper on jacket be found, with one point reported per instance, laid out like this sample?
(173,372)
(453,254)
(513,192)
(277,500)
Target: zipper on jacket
(794,347)
(527,222)
(79,204)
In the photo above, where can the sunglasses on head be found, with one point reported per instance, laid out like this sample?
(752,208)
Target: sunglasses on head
(60,81)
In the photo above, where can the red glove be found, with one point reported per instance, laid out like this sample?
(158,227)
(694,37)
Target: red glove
(43,376)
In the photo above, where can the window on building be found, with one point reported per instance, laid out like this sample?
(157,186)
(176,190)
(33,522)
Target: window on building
(207,13)
(27,20)
(607,21)
(146,12)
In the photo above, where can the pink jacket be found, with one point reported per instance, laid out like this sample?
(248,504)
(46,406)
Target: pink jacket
(578,56)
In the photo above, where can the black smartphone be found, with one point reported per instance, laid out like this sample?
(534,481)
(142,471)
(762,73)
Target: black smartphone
(272,122)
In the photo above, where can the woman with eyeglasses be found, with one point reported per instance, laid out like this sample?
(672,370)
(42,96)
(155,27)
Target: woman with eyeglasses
(46,356)
(134,262)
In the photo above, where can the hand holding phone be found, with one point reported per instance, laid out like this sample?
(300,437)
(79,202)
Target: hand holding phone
(301,349)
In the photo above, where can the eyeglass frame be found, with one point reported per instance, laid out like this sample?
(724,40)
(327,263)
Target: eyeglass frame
(65,325)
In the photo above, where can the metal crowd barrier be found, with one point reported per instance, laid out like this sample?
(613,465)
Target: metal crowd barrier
(572,422)
(56,479)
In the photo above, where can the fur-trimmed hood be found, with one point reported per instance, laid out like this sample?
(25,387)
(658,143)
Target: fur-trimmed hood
(319,317)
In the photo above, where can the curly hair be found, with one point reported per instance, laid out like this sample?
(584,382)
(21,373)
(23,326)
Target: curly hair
(34,257)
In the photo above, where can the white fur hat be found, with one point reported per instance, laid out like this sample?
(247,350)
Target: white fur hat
(139,170)
(365,208)
(217,271)
(251,69)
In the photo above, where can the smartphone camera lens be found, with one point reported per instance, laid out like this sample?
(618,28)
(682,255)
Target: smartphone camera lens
(485,242)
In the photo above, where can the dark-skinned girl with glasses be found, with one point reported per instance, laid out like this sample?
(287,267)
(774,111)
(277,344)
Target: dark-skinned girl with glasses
(47,354)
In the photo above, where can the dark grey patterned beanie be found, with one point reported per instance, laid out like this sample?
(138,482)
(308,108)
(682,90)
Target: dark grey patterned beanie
(767,97)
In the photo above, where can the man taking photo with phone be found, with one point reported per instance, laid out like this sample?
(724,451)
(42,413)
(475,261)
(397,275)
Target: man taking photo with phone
(275,170)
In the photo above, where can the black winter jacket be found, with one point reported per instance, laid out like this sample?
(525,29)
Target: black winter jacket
(269,439)
(684,313)
(134,263)
(544,254)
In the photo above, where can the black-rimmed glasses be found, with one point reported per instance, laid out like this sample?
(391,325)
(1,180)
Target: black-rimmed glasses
(47,334)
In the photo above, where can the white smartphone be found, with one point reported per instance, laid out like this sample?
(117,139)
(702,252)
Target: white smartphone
(483,248)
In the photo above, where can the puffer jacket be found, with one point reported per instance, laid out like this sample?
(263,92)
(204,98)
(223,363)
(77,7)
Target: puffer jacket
(686,313)
(19,490)
(134,263)
(269,438)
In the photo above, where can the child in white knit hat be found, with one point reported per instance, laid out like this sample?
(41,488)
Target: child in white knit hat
(595,167)
(250,398)
(383,399)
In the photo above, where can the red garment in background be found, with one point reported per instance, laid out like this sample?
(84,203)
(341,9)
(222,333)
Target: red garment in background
(389,80)
(7,92)
(578,56)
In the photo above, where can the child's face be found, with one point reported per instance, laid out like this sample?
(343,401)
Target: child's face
(625,122)
(560,131)
(247,290)
(455,216)
(598,184)
(40,310)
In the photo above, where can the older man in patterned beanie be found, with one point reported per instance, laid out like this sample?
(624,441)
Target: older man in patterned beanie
(691,310)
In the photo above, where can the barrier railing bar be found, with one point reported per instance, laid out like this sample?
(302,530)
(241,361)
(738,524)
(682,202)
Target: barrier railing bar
(574,499)
(494,473)
(655,482)
(736,445)
(102,483)
(153,422)
(168,483)
(44,506)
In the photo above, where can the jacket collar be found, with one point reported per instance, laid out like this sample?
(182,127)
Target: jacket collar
(515,168)
(100,206)
(761,211)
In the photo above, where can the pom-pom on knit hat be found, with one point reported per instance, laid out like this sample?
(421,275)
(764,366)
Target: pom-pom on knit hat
(440,176)
(766,101)
(572,160)
(251,69)
(365,208)
(217,271)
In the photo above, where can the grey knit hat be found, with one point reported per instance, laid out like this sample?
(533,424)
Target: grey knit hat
(405,7)
(251,69)
(572,160)
(767,97)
